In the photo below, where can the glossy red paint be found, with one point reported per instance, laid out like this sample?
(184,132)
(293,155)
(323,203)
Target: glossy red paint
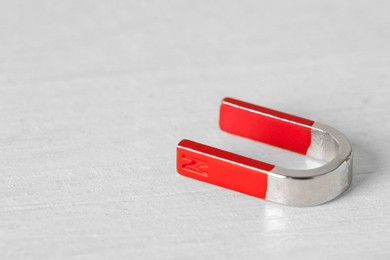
(222,168)
(265,125)
(236,172)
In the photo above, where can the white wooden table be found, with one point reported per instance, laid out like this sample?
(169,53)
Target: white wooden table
(95,95)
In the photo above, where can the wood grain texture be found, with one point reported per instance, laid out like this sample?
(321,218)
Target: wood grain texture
(95,95)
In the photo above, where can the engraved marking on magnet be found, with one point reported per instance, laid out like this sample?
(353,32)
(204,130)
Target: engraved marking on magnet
(195,166)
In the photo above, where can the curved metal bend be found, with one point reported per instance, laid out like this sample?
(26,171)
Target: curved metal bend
(286,186)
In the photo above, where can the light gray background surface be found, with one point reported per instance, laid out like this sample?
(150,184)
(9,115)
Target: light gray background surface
(95,95)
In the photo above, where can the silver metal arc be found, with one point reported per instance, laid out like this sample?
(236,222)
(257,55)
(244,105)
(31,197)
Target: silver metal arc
(315,186)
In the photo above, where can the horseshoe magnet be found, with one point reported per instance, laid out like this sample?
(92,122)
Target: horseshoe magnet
(308,187)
